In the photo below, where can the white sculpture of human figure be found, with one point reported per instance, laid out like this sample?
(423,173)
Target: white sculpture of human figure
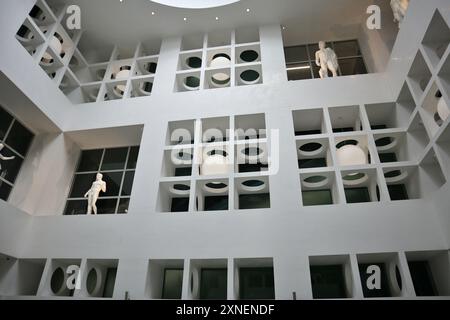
(94,192)
(326,59)
(399,8)
(4,158)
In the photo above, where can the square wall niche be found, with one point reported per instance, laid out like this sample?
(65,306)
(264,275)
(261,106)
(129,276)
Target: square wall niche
(331,277)
(215,129)
(252,126)
(174,196)
(188,81)
(352,150)
(248,53)
(345,119)
(385,267)
(252,156)
(430,272)
(396,147)
(165,279)
(437,39)
(319,189)
(313,153)
(20,277)
(180,132)
(146,66)
(254,279)
(388,115)
(249,75)
(215,160)
(361,186)
(419,76)
(190,60)
(57,276)
(309,122)
(99,278)
(178,162)
(208,279)
(212,195)
(252,193)
(436,110)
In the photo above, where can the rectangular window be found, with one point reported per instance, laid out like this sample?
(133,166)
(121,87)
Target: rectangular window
(172,284)
(328,282)
(16,140)
(301,60)
(256,283)
(213,284)
(118,167)
(422,278)
(317,197)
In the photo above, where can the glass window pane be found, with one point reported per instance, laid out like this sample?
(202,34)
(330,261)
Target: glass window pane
(328,282)
(299,71)
(5,190)
(19,138)
(76,207)
(5,122)
(106,206)
(10,168)
(90,160)
(347,48)
(256,283)
(296,54)
(123,205)
(352,66)
(113,181)
(114,159)
(132,158)
(213,284)
(81,184)
(128,183)
(173,282)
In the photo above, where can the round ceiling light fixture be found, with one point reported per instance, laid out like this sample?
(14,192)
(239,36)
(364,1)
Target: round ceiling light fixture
(195,4)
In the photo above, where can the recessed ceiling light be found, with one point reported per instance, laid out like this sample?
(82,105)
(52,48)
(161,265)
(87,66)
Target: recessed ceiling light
(283,27)
(247,10)
(185,19)
(153,13)
(217,18)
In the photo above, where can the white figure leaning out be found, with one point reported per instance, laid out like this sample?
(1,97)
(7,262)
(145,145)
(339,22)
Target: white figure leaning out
(326,59)
(4,158)
(93,193)
(399,8)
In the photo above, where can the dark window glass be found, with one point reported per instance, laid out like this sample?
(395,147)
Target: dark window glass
(312,163)
(81,184)
(114,159)
(106,206)
(128,183)
(357,195)
(132,158)
(299,71)
(213,284)
(110,282)
(5,190)
(256,283)
(180,205)
(10,168)
(388,157)
(124,203)
(5,122)
(254,201)
(352,66)
(247,167)
(422,278)
(172,284)
(76,207)
(296,54)
(384,290)
(183,172)
(113,181)
(317,197)
(90,160)
(215,203)
(19,138)
(328,282)
(398,192)
(347,48)
(307,132)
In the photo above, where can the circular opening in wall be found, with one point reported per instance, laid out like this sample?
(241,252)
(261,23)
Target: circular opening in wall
(249,56)
(147,86)
(315,179)
(91,281)
(181,187)
(253,183)
(249,76)
(194,62)
(222,153)
(252,151)
(184,156)
(57,280)
(192,82)
(221,55)
(311,147)
(349,142)
(393,174)
(383,142)
(438,119)
(151,67)
(220,79)
(354,176)
(216,185)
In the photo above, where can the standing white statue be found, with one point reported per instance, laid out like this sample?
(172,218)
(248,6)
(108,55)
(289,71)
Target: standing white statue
(326,59)
(3,158)
(399,8)
(94,192)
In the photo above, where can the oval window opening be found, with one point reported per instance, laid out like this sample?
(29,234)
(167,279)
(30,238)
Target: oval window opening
(346,143)
(194,62)
(147,87)
(392,174)
(216,185)
(151,67)
(354,176)
(192,82)
(182,187)
(91,282)
(253,183)
(382,142)
(249,56)
(310,147)
(315,179)
(221,55)
(57,280)
(250,76)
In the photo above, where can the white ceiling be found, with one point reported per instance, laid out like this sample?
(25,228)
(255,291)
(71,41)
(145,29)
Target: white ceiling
(125,23)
